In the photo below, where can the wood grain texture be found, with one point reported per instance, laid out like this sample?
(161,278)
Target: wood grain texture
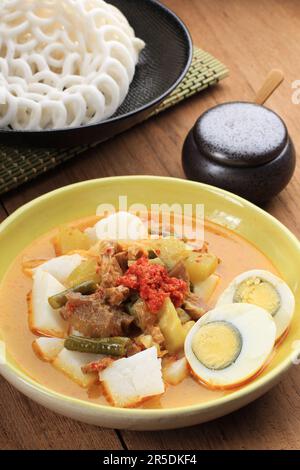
(250,38)
(26,425)
(272,422)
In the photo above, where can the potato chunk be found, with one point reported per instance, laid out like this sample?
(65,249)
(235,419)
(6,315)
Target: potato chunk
(70,239)
(171,250)
(171,327)
(200,266)
(86,271)
(205,289)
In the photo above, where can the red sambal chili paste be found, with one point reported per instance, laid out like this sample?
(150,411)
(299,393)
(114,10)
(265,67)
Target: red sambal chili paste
(153,284)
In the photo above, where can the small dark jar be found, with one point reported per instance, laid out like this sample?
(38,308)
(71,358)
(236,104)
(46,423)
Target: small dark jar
(242,147)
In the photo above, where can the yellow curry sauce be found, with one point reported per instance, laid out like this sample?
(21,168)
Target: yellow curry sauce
(236,254)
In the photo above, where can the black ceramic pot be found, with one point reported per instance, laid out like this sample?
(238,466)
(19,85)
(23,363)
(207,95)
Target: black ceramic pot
(242,147)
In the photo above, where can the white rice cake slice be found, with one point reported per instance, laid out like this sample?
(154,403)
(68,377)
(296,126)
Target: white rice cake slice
(48,348)
(131,380)
(43,319)
(61,267)
(70,363)
(119,226)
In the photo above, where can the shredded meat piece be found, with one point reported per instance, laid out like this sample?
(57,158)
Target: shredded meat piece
(145,320)
(89,315)
(97,366)
(108,247)
(116,295)
(194,306)
(77,300)
(180,271)
(99,315)
(109,270)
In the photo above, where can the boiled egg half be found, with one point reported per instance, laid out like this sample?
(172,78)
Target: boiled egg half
(265,290)
(230,344)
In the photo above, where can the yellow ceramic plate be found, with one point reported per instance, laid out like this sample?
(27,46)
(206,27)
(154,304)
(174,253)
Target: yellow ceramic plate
(79,200)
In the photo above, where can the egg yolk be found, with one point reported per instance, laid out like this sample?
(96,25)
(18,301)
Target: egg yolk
(217,344)
(258,292)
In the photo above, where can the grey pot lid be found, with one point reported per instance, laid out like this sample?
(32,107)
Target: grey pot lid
(240,134)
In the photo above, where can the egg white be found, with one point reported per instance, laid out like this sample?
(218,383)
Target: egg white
(258,332)
(284,314)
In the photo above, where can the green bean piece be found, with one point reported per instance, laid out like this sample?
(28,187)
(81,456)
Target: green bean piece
(59,300)
(114,346)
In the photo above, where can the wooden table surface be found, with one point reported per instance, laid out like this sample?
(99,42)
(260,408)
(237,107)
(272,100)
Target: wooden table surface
(250,38)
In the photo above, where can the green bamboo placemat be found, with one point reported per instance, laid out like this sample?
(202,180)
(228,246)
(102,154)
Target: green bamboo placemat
(20,165)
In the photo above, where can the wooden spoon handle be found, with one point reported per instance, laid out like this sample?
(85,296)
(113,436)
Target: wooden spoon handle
(272,81)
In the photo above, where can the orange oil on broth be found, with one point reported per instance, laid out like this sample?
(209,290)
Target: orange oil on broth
(236,255)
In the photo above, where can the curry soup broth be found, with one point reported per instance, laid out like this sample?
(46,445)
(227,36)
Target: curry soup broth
(236,255)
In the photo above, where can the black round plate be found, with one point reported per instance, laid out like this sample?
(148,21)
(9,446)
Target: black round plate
(162,65)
